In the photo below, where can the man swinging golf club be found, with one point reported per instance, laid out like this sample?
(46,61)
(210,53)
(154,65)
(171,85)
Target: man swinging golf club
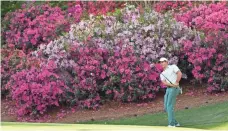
(170,77)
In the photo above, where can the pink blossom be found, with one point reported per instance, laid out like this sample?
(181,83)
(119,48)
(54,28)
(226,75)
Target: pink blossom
(103,74)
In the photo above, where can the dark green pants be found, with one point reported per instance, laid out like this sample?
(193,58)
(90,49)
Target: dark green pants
(169,104)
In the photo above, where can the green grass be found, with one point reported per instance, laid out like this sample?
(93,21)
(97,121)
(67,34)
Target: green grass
(16,126)
(206,117)
(212,117)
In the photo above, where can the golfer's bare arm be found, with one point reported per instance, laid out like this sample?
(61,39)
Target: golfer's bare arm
(179,75)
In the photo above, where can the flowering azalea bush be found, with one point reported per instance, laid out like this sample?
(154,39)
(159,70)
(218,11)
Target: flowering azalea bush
(102,73)
(75,12)
(130,77)
(36,89)
(90,7)
(30,27)
(98,7)
(209,63)
(13,61)
(89,74)
(58,51)
(83,65)
(212,17)
(208,57)
(164,6)
(151,34)
(178,6)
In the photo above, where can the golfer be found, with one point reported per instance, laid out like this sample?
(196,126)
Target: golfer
(170,77)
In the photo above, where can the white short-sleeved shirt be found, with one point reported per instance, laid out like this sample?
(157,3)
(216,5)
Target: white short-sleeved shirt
(170,73)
